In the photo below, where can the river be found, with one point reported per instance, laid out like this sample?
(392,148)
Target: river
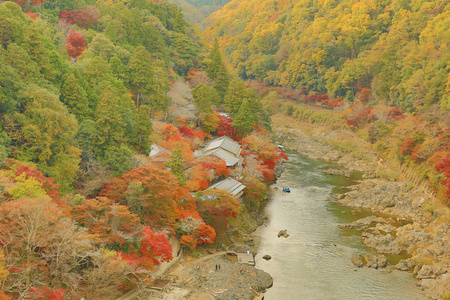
(314,261)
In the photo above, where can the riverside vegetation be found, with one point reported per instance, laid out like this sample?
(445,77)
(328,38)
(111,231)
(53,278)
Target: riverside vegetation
(409,219)
(87,87)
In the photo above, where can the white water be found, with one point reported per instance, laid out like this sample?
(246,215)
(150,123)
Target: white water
(314,261)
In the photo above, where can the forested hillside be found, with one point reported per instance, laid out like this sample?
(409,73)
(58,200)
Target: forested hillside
(84,93)
(196,11)
(83,67)
(396,51)
(385,65)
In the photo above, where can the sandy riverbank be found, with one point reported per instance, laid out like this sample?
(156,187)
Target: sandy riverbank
(199,279)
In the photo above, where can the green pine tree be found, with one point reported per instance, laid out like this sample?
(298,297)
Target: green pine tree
(142,75)
(179,22)
(202,98)
(118,68)
(74,97)
(216,62)
(142,129)
(222,81)
(244,119)
(236,92)
(109,123)
(176,164)
(34,45)
(18,59)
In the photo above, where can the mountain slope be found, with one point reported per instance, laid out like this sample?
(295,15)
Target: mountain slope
(397,49)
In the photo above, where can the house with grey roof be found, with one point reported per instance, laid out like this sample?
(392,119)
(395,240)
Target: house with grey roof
(225,149)
(232,186)
(225,143)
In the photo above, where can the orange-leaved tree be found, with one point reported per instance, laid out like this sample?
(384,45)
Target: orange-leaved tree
(194,231)
(155,193)
(154,248)
(216,207)
(114,224)
(260,144)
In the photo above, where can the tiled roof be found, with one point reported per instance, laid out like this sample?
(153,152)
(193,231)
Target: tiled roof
(229,159)
(225,143)
(230,185)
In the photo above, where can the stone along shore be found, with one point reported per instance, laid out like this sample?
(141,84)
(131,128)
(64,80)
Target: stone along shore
(407,220)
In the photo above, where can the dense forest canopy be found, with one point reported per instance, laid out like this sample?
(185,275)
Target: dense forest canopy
(87,98)
(196,11)
(397,49)
(84,210)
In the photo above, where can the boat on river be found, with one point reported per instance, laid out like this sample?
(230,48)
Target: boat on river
(286,190)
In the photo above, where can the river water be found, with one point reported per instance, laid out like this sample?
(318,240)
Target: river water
(314,261)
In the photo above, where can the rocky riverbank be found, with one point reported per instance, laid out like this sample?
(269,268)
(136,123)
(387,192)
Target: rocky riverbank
(407,220)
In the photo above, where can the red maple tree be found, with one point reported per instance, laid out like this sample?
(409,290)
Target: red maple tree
(44,293)
(76,44)
(443,166)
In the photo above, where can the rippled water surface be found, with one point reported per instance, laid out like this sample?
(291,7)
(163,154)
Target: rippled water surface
(314,261)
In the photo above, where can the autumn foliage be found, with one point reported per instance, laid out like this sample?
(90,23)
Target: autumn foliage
(226,128)
(155,245)
(266,156)
(44,293)
(76,44)
(107,220)
(156,197)
(48,184)
(443,166)
(216,207)
(84,18)
(32,15)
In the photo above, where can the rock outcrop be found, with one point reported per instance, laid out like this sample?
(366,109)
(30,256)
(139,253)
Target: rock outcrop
(357,260)
(283,233)
(375,261)
(417,226)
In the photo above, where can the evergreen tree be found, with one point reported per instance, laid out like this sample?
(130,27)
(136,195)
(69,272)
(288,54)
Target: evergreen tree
(142,129)
(244,119)
(109,123)
(176,164)
(179,22)
(202,98)
(74,97)
(34,45)
(142,75)
(216,62)
(222,81)
(18,59)
(118,68)
(159,99)
(118,159)
(49,136)
(236,92)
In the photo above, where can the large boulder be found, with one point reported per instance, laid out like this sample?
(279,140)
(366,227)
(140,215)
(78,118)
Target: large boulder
(262,282)
(382,243)
(405,264)
(357,260)
(428,272)
(283,233)
(375,261)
